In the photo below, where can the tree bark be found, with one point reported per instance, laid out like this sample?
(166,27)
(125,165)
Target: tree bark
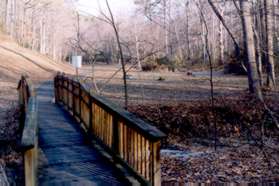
(253,77)
(257,31)
(137,47)
(270,42)
(112,22)
(166,28)
(187,33)
(221,39)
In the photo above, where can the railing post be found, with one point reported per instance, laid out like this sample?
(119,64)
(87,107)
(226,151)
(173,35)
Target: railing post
(68,94)
(90,116)
(20,95)
(156,166)
(60,88)
(74,99)
(25,95)
(21,103)
(79,100)
(56,89)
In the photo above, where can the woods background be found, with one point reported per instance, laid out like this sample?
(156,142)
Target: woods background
(242,35)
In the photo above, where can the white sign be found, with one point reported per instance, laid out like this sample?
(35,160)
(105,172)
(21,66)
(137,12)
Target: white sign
(77,61)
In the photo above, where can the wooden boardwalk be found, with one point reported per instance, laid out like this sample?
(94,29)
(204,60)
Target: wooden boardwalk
(66,157)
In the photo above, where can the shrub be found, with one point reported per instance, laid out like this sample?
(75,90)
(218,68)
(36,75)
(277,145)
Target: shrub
(234,68)
(149,67)
(160,63)
(149,64)
(163,61)
(161,78)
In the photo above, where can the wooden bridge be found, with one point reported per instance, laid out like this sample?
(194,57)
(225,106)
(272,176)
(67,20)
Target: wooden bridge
(79,138)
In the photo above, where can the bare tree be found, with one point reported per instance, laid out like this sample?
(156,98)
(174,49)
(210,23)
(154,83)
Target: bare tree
(253,77)
(110,20)
(270,43)
(218,14)
(211,70)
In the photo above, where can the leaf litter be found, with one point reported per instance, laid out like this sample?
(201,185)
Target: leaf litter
(247,140)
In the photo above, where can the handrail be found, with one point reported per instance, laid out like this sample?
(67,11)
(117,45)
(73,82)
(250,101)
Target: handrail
(135,143)
(29,140)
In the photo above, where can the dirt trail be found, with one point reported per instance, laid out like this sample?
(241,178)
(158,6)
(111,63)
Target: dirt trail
(14,62)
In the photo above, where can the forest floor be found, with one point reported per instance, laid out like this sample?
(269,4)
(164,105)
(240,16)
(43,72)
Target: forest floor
(14,62)
(247,141)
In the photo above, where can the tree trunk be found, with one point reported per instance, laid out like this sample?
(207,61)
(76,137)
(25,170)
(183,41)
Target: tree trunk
(221,39)
(253,77)
(166,28)
(123,65)
(270,48)
(8,16)
(137,47)
(187,33)
(43,36)
(258,30)
(6,13)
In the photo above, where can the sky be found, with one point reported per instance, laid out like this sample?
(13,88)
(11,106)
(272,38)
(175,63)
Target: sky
(119,7)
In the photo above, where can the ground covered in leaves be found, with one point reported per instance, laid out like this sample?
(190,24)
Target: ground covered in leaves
(10,155)
(247,140)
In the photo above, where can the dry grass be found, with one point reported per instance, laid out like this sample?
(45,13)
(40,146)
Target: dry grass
(145,87)
(16,61)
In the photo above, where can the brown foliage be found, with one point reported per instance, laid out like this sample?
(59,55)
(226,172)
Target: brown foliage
(236,117)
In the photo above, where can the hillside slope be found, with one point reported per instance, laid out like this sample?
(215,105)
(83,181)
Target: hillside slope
(15,61)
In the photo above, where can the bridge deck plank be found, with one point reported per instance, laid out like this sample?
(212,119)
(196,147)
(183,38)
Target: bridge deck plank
(66,158)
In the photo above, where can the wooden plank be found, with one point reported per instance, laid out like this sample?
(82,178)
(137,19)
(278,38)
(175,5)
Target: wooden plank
(143,164)
(125,145)
(29,167)
(139,154)
(79,99)
(116,133)
(106,127)
(147,160)
(156,171)
(90,117)
(120,138)
(135,151)
(68,95)
(111,133)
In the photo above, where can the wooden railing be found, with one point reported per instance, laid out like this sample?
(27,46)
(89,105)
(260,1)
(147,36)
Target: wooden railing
(29,141)
(132,142)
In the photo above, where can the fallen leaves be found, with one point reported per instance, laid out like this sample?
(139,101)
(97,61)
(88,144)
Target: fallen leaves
(224,165)
(10,156)
(238,159)
(238,117)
